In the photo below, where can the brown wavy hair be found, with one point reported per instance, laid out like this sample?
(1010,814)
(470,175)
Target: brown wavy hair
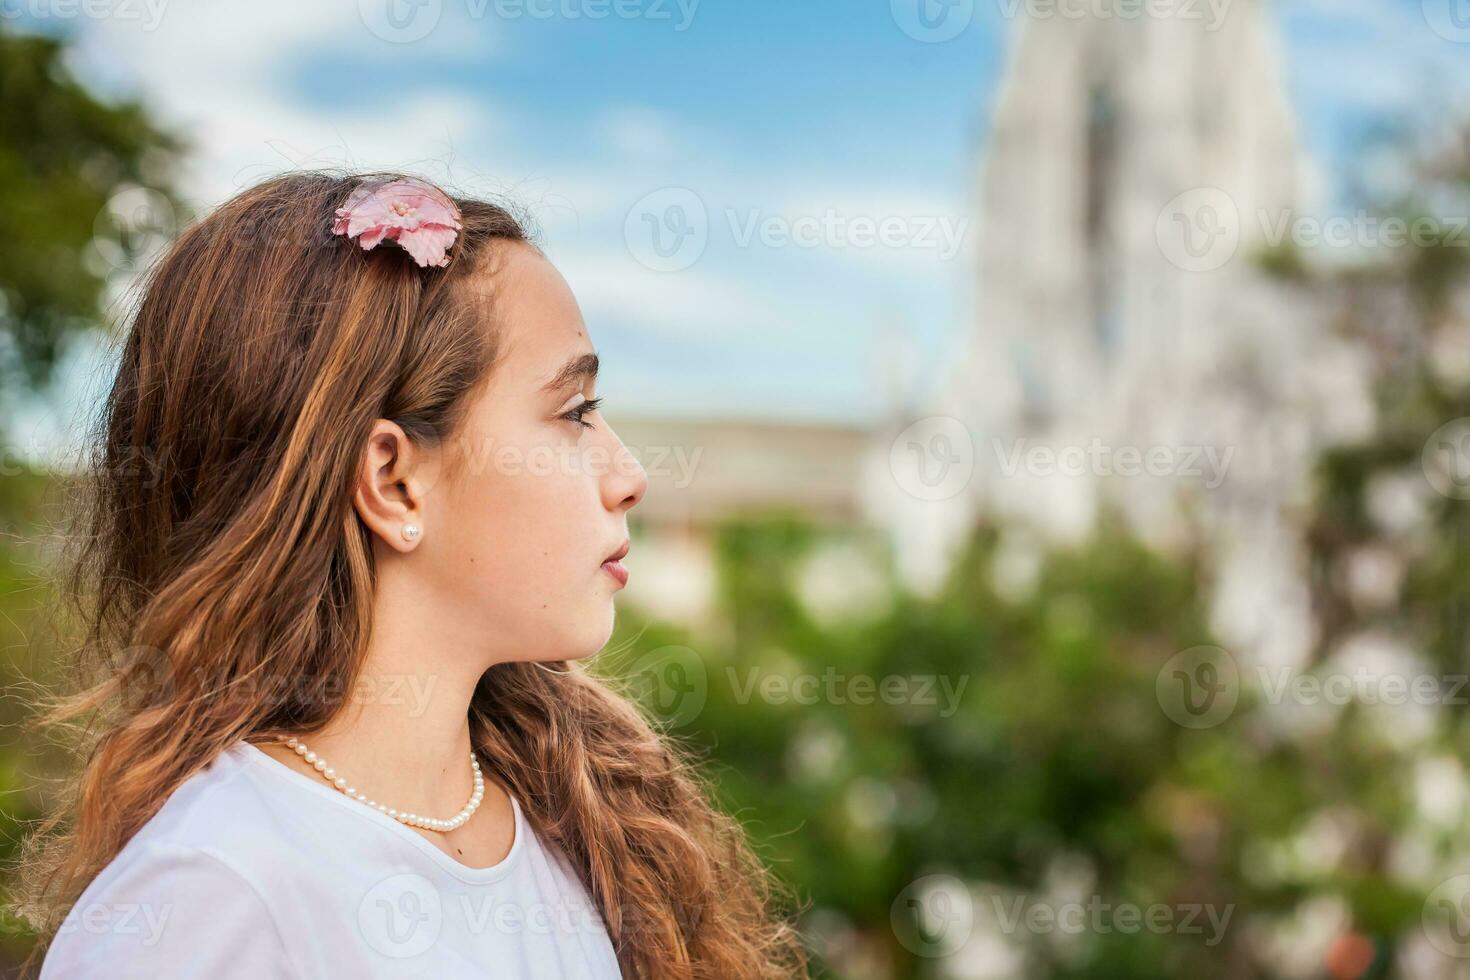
(225,579)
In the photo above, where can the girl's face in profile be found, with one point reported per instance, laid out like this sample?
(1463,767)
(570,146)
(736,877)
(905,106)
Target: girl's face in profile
(515,536)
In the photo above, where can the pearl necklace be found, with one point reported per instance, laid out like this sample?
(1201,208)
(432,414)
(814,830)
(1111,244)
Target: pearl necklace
(412,819)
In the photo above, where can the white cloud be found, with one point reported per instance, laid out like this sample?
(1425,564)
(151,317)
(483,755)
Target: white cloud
(676,304)
(1396,57)
(640,133)
(213,71)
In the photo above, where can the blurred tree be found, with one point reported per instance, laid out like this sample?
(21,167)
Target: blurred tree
(1025,745)
(64,155)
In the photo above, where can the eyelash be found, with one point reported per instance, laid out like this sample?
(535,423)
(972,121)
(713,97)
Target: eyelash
(575,415)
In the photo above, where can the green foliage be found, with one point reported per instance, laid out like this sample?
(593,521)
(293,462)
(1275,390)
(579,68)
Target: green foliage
(63,154)
(28,604)
(1055,750)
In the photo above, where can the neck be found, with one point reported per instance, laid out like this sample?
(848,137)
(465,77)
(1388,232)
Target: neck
(403,736)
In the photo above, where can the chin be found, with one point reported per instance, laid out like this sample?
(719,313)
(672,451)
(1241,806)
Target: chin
(597,628)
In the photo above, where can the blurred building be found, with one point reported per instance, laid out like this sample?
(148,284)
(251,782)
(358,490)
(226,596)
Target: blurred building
(1129,348)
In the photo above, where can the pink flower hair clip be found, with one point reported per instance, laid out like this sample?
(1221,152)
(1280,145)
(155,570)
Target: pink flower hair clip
(416,215)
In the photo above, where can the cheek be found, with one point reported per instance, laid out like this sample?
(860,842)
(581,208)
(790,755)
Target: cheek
(525,566)
(523,538)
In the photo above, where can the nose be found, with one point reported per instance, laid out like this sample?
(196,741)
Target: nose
(626,481)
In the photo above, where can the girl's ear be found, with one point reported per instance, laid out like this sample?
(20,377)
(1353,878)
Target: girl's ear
(393,480)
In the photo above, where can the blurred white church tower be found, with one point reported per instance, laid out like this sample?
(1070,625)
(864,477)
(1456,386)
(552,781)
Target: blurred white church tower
(1126,345)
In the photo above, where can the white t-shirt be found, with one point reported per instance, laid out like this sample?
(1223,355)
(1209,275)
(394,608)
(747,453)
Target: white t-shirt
(253,869)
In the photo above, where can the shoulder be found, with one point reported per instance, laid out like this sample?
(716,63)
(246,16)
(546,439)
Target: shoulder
(237,812)
(168,910)
(186,896)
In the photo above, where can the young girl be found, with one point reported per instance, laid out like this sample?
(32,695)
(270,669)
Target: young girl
(355,518)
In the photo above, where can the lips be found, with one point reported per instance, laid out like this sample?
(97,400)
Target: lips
(613,564)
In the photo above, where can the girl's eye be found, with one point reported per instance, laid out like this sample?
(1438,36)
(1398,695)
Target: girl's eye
(575,415)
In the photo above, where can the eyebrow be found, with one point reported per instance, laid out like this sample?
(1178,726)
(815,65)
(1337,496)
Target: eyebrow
(578,369)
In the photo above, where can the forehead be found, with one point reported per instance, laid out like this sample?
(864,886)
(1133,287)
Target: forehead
(540,324)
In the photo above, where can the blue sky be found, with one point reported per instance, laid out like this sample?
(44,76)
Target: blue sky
(763,110)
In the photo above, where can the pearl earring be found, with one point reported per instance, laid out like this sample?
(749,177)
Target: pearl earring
(410,531)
